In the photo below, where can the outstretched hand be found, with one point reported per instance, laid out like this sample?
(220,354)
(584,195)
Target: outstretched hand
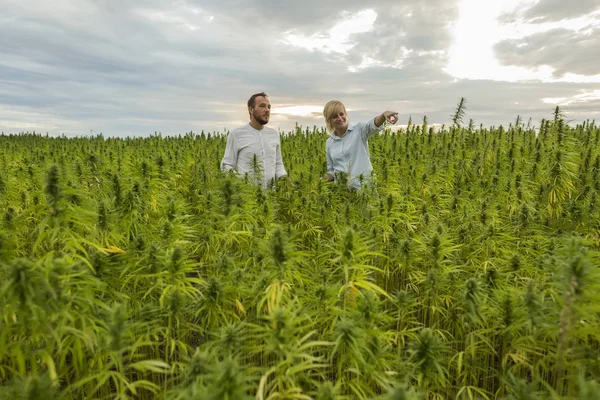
(391,116)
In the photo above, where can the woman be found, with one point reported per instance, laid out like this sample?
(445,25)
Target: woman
(347,148)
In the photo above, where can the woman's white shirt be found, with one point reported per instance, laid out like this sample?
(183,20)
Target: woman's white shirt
(350,153)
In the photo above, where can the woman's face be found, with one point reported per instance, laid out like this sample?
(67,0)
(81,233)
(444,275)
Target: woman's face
(339,120)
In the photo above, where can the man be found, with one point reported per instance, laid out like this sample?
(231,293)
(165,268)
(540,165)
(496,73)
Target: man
(255,149)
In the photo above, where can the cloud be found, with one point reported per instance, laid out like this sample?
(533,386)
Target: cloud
(584,97)
(554,10)
(303,110)
(515,50)
(132,67)
(337,38)
(546,33)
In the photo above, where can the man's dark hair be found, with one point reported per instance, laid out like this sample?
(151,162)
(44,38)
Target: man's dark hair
(252,99)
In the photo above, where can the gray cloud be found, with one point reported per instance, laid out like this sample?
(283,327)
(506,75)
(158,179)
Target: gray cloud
(575,51)
(133,67)
(562,49)
(554,10)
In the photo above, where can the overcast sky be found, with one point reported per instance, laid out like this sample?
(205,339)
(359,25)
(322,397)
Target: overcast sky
(132,67)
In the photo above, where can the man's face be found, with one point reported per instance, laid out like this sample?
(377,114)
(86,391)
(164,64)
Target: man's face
(261,110)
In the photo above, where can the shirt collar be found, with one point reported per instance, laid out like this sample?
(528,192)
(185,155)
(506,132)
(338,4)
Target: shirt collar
(348,130)
(254,129)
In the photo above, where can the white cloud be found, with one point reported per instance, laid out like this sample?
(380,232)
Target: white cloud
(368,62)
(519,30)
(584,97)
(478,30)
(302,111)
(191,19)
(336,39)
(22,119)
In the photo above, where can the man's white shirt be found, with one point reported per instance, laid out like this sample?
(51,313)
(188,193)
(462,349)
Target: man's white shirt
(244,143)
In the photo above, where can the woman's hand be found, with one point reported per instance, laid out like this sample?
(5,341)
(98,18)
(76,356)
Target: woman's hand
(389,116)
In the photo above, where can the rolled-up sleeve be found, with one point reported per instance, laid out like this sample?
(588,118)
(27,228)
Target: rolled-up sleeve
(279,168)
(230,157)
(368,129)
(330,169)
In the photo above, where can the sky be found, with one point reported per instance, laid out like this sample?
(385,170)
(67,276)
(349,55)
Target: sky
(136,67)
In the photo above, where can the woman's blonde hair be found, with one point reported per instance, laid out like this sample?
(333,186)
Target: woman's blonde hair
(333,108)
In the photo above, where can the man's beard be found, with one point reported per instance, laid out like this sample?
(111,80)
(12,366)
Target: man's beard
(260,119)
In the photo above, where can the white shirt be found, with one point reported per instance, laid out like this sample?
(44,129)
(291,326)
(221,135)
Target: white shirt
(245,142)
(350,153)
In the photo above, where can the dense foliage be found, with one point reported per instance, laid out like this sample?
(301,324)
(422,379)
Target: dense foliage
(134,268)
